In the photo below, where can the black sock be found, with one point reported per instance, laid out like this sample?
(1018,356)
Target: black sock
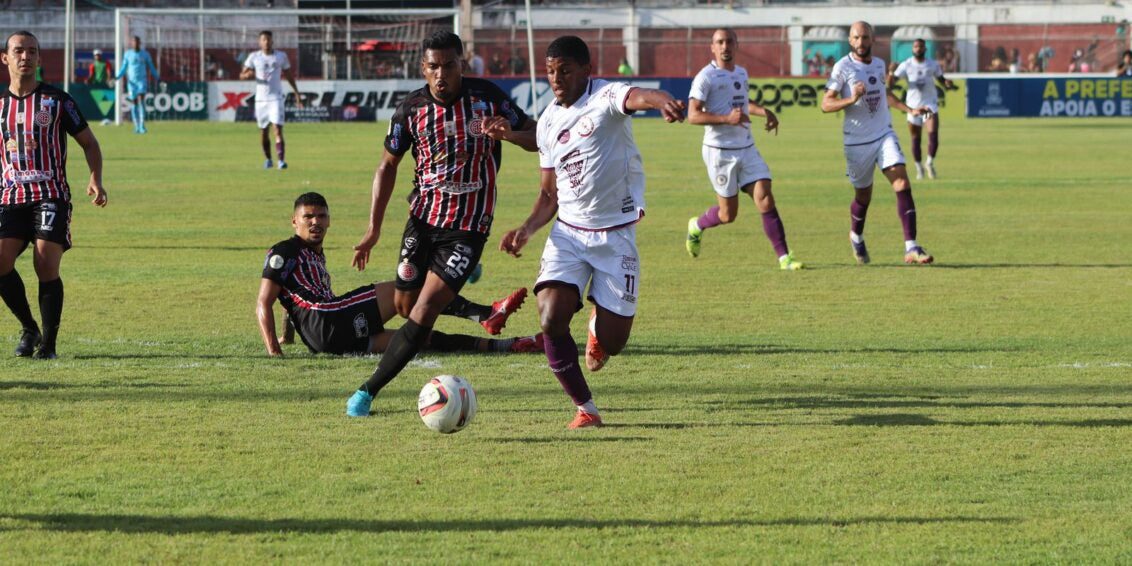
(402,347)
(442,342)
(50,310)
(15,296)
(464,308)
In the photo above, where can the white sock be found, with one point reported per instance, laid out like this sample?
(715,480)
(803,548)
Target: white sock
(782,258)
(910,244)
(855,237)
(929,160)
(589,407)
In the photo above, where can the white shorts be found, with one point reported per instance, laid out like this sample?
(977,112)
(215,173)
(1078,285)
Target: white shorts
(608,261)
(860,159)
(919,120)
(732,169)
(268,112)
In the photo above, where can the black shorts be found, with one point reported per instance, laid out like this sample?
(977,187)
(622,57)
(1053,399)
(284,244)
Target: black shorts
(341,326)
(451,254)
(48,220)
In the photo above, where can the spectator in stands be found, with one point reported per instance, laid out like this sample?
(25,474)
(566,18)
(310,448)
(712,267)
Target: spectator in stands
(475,63)
(827,66)
(1044,55)
(813,62)
(1124,69)
(517,64)
(1015,60)
(1032,64)
(998,62)
(625,69)
(1075,61)
(950,61)
(496,65)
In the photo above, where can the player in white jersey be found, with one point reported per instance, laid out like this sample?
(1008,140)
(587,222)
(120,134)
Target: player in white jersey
(592,177)
(857,85)
(922,73)
(718,100)
(268,67)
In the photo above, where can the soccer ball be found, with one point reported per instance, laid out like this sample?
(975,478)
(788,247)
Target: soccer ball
(447,403)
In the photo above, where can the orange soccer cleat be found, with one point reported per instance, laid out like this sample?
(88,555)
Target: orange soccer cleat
(585,420)
(595,354)
(502,309)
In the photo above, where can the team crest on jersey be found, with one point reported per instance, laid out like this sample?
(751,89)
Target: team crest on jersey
(361,326)
(872,80)
(564,136)
(43,118)
(475,127)
(407,271)
(585,127)
(737,85)
(721,180)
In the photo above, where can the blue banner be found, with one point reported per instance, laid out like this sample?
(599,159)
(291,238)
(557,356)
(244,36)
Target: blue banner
(1011,97)
(520,90)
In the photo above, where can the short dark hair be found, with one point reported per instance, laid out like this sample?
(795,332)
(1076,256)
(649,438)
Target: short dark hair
(1127,53)
(310,199)
(569,46)
(268,33)
(442,40)
(24,33)
(920,40)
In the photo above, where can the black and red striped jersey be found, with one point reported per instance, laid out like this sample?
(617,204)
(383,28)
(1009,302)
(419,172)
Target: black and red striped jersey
(34,129)
(454,180)
(302,273)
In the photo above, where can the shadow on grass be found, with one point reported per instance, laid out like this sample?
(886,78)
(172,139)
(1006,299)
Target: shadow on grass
(200,247)
(1028,265)
(922,420)
(557,439)
(891,401)
(47,386)
(172,525)
(766,349)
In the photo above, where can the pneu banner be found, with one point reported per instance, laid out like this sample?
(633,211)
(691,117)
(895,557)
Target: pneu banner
(1011,97)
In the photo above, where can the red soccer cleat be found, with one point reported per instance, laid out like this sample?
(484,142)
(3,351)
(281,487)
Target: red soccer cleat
(595,354)
(528,344)
(585,420)
(500,310)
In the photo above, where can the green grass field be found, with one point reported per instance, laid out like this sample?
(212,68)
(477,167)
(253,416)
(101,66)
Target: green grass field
(974,411)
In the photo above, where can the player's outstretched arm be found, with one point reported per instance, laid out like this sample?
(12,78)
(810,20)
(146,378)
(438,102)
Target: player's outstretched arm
(755,109)
(384,179)
(656,99)
(268,293)
(499,129)
(832,101)
(699,116)
(546,206)
(93,153)
(898,104)
(290,76)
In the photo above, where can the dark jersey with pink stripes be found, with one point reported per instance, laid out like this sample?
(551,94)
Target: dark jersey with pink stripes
(34,129)
(456,163)
(302,273)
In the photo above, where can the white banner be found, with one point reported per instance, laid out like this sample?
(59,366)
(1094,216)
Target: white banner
(226,97)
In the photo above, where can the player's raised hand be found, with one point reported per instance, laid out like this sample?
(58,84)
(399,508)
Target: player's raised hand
(98,192)
(361,251)
(514,241)
(497,128)
(771,122)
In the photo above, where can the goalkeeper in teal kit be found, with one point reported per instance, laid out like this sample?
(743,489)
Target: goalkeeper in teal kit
(135,63)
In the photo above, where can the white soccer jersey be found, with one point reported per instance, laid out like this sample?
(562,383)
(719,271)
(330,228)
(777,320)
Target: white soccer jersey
(867,120)
(921,76)
(590,146)
(721,91)
(268,73)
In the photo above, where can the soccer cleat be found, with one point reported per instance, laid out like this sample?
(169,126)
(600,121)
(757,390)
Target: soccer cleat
(694,235)
(860,252)
(528,344)
(918,255)
(358,405)
(29,339)
(282,165)
(267,164)
(44,353)
(142,130)
(919,171)
(500,310)
(585,420)
(595,354)
(929,167)
(788,263)
(477,272)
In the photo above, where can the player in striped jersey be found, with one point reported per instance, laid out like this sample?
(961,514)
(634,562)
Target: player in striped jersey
(35,199)
(295,274)
(445,124)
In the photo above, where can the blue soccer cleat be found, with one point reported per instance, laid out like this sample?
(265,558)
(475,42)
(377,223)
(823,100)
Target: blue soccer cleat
(358,405)
(476,273)
(267,164)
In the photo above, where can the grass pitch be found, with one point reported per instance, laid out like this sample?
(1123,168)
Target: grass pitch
(978,410)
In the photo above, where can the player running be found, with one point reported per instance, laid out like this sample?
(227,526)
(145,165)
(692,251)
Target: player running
(268,66)
(718,101)
(922,74)
(294,273)
(593,179)
(35,199)
(445,125)
(857,86)
(136,63)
